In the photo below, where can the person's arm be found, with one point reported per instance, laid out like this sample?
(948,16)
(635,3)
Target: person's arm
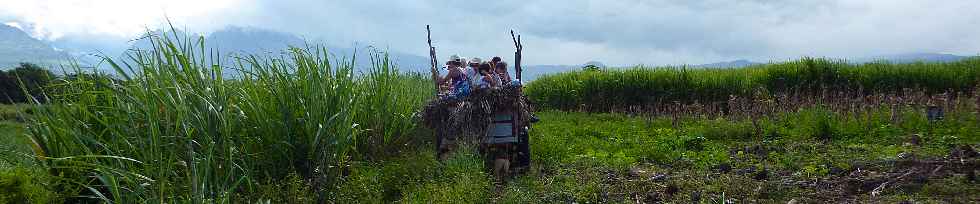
(448,75)
(494,78)
(486,79)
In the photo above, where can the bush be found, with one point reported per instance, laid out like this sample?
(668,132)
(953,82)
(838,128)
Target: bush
(27,76)
(388,181)
(461,179)
(20,185)
(291,189)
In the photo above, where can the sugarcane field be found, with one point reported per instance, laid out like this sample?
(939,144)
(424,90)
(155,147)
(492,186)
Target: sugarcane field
(298,101)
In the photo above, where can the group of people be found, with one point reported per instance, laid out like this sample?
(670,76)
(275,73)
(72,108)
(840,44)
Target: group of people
(460,80)
(500,142)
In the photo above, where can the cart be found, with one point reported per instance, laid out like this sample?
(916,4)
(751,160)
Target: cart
(505,145)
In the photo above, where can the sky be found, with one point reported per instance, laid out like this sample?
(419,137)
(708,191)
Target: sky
(626,32)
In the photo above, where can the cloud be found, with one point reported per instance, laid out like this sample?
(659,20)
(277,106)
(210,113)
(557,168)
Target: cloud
(53,19)
(559,32)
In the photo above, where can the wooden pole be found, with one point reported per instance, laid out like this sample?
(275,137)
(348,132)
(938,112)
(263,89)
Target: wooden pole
(432,58)
(517,54)
(518,123)
(435,76)
(518,120)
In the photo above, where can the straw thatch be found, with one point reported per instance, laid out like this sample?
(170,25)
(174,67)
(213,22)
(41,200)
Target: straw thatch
(469,118)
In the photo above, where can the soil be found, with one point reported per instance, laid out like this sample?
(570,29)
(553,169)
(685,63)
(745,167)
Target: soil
(863,182)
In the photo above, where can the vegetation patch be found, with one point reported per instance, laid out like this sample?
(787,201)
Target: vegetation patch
(652,87)
(173,126)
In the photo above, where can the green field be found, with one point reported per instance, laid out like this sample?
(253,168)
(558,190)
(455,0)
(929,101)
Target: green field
(301,128)
(617,158)
(621,89)
(13,139)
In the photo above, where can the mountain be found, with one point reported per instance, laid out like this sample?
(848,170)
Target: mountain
(251,40)
(247,40)
(897,58)
(532,72)
(16,46)
(730,64)
(912,57)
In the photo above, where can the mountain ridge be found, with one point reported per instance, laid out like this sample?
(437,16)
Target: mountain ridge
(17,46)
(251,40)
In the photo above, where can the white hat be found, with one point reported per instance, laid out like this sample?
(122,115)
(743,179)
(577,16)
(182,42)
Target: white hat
(476,60)
(455,58)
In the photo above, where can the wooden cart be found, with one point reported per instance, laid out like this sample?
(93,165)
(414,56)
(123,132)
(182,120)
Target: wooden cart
(506,147)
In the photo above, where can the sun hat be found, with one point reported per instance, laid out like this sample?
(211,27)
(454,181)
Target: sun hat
(476,60)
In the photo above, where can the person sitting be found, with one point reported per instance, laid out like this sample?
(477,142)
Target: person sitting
(456,77)
(488,79)
(495,60)
(473,71)
(501,70)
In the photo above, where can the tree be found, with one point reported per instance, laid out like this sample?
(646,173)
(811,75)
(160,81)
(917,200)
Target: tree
(591,68)
(27,76)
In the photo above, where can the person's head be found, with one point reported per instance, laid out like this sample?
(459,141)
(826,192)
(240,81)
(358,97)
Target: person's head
(454,60)
(484,68)
(455,63)
(475,62)
(501,67)
(496,60)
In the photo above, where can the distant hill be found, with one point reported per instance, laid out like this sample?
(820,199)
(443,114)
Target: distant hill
(532,72)
(16,46)
(912,57)
(730,64)
(247,40)
(898,58)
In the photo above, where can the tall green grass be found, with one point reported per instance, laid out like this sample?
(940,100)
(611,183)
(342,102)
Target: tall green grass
(177,125)
(643,86)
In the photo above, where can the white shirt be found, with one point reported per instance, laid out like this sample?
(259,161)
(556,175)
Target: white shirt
(472,75)
(483,84)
